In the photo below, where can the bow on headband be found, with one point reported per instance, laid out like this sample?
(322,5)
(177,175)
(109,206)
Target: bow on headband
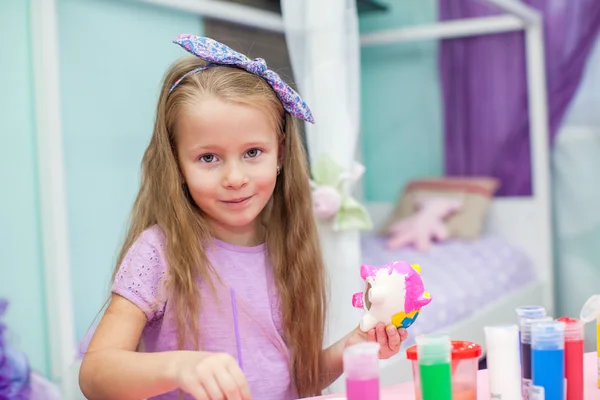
(218,54)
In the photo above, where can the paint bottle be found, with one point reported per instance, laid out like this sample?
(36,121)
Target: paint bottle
(548,360)
(434,353)
(361,367)
(503,362)
(531,312)
(525,351)
(591,312)
(574,339)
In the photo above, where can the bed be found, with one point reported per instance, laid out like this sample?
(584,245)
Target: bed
(465,276)
(474,283)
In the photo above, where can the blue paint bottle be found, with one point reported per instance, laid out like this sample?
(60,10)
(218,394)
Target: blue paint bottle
(548,360)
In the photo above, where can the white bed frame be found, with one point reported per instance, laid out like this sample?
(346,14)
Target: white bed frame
(524,221)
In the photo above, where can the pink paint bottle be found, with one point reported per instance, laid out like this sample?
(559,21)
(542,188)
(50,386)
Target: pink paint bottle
(361,367)
(574,349)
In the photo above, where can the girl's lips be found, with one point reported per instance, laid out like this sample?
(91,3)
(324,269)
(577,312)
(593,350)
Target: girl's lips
(238,203)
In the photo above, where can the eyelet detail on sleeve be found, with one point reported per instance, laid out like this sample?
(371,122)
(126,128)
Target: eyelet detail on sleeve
(141,274)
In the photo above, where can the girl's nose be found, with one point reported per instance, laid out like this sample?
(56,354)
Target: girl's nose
(235,176)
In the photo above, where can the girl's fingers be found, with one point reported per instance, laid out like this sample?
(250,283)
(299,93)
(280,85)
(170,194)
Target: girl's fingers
(371,335)
(240,381)
(403,334)
(228,385)
(393,338)
(197,392)
(381,338)
(212,387)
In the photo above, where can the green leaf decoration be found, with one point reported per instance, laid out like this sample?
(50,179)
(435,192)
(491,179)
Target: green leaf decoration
(352,215)
(326,171)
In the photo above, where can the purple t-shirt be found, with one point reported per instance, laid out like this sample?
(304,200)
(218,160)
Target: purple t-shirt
(265,357)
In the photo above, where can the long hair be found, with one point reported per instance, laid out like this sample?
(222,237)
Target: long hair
(291,239)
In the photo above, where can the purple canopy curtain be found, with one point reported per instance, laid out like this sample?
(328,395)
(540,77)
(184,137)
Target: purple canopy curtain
(484,86)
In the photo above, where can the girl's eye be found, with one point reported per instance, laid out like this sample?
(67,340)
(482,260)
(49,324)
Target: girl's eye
(253,153)
(208,158)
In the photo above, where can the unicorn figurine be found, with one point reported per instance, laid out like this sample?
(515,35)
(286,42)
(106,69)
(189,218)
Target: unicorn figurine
(394,294)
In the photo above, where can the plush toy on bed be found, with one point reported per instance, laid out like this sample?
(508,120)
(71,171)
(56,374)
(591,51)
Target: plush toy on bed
(394,294)
(426,225)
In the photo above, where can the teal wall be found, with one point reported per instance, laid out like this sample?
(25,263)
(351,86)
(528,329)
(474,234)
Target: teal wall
(113,56)
(21,274)
(401,135)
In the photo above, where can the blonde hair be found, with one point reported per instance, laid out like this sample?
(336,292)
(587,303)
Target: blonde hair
(291,237)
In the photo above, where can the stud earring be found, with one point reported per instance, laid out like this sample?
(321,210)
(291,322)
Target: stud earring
(278,169)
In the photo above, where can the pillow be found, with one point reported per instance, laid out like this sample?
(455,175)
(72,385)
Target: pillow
(475,194)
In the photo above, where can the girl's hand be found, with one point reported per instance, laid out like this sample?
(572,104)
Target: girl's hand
(211,376)
(389,338)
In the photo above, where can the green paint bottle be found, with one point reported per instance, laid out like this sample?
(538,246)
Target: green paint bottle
(434,354)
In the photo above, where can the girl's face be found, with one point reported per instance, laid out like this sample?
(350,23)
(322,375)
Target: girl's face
(228,154)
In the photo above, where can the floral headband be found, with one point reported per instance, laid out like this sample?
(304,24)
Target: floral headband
(219,54)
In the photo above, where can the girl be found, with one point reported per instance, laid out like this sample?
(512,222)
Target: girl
(219,287)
